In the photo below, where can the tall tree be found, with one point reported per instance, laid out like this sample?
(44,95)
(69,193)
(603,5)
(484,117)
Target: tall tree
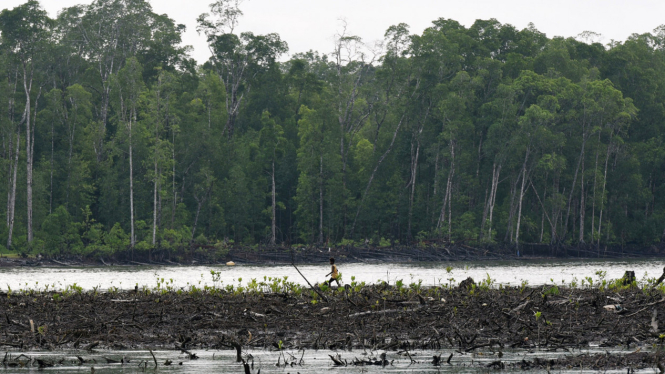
(25,32)
(236,58)
(128,88)
(271,142)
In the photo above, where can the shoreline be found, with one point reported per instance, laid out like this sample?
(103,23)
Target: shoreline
(316,255)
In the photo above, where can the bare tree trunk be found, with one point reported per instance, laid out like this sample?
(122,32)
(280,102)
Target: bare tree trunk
(343,156)
(572,189)
(274,205)
(542,219)
(484,219)
(442,214)
(156,170)
(321,199)
(12,166)
(495,184)
(12,195)
(50,197)
(199,203)
(519,210)
(154,204)
(9,174)
(99,144)
(70,137)
(450,211)
(593,203)
(448,194)
(602,195)
(582,204)
(412,182)
(544,212)
(436,171)
(174,204)
(511,214)
(488,200)
(131,189)
(27,86)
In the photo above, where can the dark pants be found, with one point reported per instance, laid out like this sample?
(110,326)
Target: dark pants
(331,280)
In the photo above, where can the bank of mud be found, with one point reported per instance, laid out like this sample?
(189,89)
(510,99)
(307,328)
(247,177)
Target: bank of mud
(427,251)
(466,319)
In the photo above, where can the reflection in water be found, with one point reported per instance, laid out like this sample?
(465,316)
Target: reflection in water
(504,272)
(312,361)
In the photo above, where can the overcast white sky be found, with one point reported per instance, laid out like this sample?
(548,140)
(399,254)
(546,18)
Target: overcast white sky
(311,24)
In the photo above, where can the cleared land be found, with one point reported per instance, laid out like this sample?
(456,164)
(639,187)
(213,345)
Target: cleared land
(380,317)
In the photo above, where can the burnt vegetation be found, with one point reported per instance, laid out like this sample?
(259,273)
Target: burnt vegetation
(278,315)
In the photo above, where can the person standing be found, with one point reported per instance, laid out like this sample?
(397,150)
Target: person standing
(334,274)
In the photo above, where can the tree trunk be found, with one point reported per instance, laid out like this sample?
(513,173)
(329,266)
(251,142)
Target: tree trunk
(593,203)
(450,211)
(488,201)
(27,86)
(174,204)
(344,161)
(511,214)
(131,190)
(582,204)
(156,170)
(11,166)
(99,146)
(155,206)
(492,201)
(542,225)
(542,219)
(519,210)
(572,189)
(602,195)
(10,149)
(448,194)
(12,193)
(412,182)
(371,178)
(274,205)
(199,203)
(50,195)
(321,199)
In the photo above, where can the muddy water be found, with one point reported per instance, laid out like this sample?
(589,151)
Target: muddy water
(312,362)
(505,272)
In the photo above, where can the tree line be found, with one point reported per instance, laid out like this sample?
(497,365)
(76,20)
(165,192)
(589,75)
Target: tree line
(114,139)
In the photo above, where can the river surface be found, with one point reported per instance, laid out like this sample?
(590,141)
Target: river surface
(312,361)
(512,273)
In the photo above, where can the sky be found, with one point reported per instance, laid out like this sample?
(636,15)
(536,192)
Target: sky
(311,24)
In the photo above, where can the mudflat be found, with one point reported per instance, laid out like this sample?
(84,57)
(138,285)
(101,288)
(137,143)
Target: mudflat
(465,319)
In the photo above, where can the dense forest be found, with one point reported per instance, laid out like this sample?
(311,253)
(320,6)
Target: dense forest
(115,140)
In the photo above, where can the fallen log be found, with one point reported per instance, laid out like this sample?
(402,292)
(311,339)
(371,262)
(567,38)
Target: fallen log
(387,311)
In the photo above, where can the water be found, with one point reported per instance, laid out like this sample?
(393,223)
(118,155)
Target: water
(125,277)
(503,272)
(312,361)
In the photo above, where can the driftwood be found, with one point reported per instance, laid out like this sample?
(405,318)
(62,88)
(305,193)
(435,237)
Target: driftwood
(387,311)
(309,284)
(153,357)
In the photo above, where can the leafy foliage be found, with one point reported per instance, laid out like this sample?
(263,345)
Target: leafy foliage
(483,135)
